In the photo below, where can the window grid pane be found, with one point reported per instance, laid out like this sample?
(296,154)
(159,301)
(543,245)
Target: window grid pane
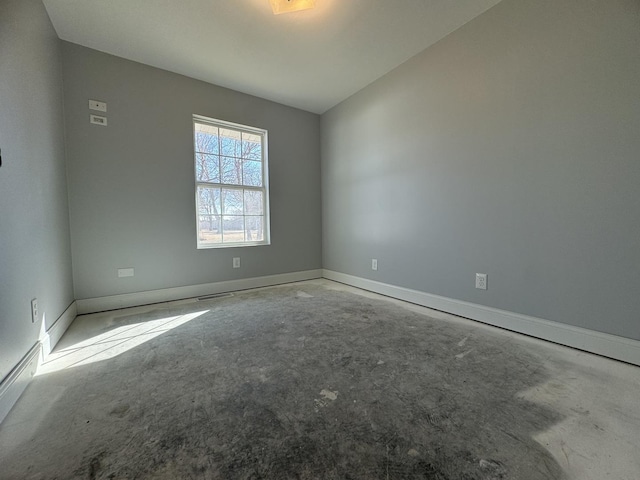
(254,228)
(231,170)
(207,168)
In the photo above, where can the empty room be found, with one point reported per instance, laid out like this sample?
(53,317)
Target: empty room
(320,239)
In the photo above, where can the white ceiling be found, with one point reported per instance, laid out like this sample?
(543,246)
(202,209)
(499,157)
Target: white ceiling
(311,60)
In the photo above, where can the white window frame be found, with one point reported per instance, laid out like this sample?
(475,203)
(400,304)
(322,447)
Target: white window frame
(200,119)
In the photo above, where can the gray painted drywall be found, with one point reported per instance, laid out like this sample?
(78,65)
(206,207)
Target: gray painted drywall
(512,148)
(35,258)
(131,186)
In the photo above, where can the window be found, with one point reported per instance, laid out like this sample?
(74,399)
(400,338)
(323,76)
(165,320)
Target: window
(232,198)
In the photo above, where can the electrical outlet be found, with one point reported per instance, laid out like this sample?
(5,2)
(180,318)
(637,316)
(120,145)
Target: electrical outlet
(374,264)
(236,262)
(126,272)
(34,310)
(481,281)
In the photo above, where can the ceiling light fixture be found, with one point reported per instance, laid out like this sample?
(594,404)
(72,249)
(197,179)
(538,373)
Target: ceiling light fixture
(286,6)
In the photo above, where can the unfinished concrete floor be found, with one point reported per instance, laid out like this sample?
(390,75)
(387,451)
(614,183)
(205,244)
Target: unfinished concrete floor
(317,380)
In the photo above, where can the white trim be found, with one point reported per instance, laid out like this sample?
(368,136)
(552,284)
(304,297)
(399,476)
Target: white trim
(52,336)
(264,188)
(613,346)
(15,383)
(113,302)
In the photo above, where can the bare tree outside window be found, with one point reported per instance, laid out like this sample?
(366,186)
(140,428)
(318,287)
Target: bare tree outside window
(231,190)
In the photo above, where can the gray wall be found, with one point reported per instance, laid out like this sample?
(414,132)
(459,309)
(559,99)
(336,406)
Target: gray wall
(511,147)
(131,186)
(35,258)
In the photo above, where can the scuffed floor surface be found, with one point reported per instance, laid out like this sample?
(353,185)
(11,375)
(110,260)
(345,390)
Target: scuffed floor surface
(317,381)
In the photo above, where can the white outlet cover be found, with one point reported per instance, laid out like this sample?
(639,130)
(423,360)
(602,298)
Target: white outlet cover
(374,264)
(236,262)
(125,272)
(481,281)
(34,310)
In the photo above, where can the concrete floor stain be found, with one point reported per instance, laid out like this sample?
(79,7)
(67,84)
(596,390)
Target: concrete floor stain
(272,384)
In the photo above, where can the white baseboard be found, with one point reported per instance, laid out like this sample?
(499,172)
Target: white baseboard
(612,346)
(113,302)
(52,336)
(15,383)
